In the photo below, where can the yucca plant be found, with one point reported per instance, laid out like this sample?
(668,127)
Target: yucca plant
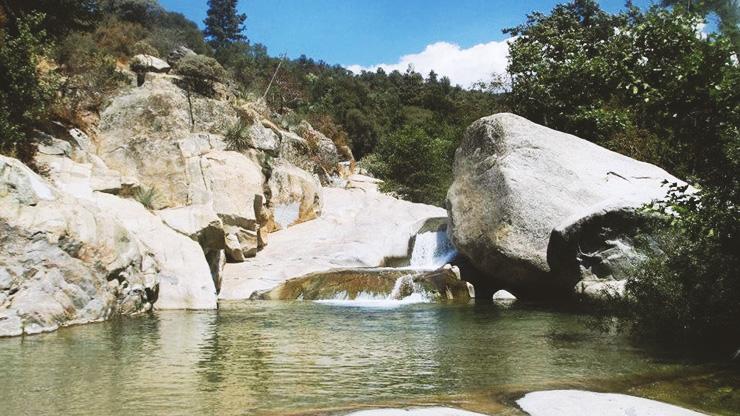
(147,196)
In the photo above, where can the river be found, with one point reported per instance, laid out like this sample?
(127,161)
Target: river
(265,358)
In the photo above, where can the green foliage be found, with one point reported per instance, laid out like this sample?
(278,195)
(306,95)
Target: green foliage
(199,73)
(690,295)
(147,197)
(237,136)
(143,47)
(25,92)
(633,80)
(728,12)
(223,24)
(415,164)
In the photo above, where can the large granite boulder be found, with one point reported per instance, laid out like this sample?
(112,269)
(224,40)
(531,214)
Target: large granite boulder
(201,224)
(518,183)
(147,133)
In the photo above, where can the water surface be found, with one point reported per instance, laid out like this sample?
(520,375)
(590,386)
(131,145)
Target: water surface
(260,358)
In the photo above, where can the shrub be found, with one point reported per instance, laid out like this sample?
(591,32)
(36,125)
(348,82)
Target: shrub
(689,296)
(237,136)
(143,47)
(91,74)
(200,73)
(118,37)
(415,165)
(147,196)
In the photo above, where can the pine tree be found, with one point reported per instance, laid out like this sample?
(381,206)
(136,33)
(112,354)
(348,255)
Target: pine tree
(223,24)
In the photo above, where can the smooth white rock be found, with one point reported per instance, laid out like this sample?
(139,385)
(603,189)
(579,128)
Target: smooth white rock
(185,278)
(586,403)
(503,295)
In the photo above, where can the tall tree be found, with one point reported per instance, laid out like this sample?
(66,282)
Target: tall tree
(728,12)
(223,24)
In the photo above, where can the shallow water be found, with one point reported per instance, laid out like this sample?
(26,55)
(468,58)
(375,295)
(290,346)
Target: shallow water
(260,358)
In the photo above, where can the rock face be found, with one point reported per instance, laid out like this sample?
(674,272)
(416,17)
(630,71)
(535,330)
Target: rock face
(295,195)
(185,280)
(518,183)
(63,260)
(75,258)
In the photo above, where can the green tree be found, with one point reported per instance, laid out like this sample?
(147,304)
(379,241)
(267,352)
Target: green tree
(415,164)
(59,16)
(644,84)
(223,24)
(25,93)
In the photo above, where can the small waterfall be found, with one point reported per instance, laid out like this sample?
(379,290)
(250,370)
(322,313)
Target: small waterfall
(432,250)
(405,292)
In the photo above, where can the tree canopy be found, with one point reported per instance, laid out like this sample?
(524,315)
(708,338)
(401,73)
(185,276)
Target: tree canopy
(224,25)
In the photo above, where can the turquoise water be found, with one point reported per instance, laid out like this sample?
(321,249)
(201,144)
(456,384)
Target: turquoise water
(260,358)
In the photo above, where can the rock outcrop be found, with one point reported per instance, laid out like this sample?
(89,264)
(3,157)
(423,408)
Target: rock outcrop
(518,183)
(148,63)
(71,257)
(64,261)
(347,235)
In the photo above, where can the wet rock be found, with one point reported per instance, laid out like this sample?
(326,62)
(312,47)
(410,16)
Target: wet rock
(415,411)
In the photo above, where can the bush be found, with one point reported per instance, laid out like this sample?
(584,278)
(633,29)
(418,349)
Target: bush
(200,73)
(414,164)
(689,296)
(91,74)
(605,77)
(25,92)
(118,37)
(143,47)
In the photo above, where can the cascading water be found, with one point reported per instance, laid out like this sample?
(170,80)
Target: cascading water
(405,292)
(432,250)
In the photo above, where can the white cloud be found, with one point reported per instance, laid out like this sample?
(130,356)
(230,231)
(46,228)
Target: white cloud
(462,66)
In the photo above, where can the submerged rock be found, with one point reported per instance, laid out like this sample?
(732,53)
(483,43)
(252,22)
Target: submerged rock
(517,182)
(586,403)
(373,283)
(416,411)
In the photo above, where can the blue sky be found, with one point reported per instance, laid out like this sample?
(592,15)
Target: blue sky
(368,32)
(458,38)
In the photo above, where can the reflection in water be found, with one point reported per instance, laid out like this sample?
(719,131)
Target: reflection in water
(272,357)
